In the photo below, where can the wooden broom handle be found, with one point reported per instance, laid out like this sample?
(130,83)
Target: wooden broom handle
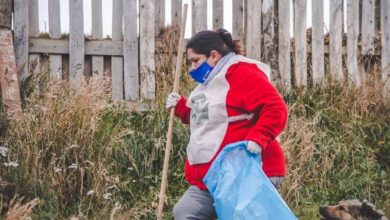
(171,116)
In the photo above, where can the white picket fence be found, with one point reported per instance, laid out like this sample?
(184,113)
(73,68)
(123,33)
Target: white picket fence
(264,26)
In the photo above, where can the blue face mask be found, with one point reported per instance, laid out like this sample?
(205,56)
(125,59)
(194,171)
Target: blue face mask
(201,73)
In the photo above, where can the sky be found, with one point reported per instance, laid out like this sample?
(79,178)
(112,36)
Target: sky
(107,15)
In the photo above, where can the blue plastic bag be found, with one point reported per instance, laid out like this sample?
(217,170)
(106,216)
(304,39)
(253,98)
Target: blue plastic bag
(240,188)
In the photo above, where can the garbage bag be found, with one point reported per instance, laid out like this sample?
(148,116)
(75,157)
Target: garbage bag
(240,188)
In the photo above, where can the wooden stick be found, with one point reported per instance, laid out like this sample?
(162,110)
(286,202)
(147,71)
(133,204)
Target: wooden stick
(171,116)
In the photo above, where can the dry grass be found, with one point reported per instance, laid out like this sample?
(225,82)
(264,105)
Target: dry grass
(20,211)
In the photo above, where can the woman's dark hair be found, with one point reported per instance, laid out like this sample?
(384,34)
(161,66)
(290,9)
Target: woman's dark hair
(220,40)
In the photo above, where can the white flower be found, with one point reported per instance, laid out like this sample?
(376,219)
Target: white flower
(73,166)
(90,192)
(11,164)
(57,170)
(107,196)
(3,151)
(111,187)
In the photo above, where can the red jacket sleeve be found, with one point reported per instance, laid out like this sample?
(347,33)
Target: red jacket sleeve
(257,95)
(182,111)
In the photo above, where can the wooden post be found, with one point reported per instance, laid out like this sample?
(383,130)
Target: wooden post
(238,19)
(8,74)
(160,15)
(199,16)
(318,62)
(117,62)
(55,33)
(21,31)
(217,14)
(131,52)
(268,32)
(33,13)
(354,75)
(164,179)
(300,64)
(76,42)
(385,37)
(147,49)
(335,39)
(6,13)
(284,44)
(97,34)
(176,11)
(368,24)
(253,29)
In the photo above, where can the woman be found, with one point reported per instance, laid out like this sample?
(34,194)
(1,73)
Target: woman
(234,101)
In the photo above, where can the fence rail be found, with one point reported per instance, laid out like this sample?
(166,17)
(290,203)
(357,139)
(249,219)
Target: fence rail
(263,25)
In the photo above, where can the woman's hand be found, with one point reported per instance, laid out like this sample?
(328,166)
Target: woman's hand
(172,100)
(253,147)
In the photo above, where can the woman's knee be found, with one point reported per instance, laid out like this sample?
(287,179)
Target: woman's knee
(181,210)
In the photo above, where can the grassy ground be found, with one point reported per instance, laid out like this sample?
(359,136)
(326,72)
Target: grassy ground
(88,158)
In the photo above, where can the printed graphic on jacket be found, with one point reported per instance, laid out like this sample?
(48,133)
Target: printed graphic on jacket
(200,110)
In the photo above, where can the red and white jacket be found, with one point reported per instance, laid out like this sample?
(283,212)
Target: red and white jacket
(239,103)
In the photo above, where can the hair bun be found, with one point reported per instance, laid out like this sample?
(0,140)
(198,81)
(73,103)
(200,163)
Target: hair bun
(226,37)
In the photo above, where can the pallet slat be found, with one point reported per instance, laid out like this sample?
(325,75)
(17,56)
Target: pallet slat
(238,19)
(176,12)
(97,33)
(33,13)
(55,33)
(160,15)
(117,62)
(335,39)
(21,32)
(147,50)
(130,51)
(368,24)
(318,64)
(217,14)
(284,44)
(199,15)
(76,42)
(352,43)
(300,52)
(385,36)
(253,30)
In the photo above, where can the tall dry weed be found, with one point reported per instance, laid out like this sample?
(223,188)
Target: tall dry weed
(20,211)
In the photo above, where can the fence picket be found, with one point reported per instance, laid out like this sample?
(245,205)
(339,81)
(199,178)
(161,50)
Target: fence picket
(217,14)
(97,34)
(368,24)
(160,15)
(318,64)
(300,59)
(199,15)
(253,29)
(33,13)
(21,31)
(268,32)
(176,12)
(238,19)
(385,37)
(76,42)
(352,43)
(284,48)
(117,62)
(55,33)
(147,49)
(130,51)
(335,39)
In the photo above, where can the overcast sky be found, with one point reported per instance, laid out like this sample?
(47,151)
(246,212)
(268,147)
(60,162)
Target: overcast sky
(107,15)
